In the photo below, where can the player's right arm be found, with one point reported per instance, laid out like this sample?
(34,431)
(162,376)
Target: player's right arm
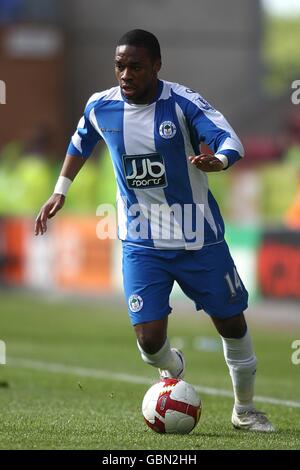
(80,148)
(70,169)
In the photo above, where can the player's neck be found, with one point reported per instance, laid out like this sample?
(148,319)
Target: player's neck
(150,96)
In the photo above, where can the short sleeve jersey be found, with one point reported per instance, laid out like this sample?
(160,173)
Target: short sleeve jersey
(163,200)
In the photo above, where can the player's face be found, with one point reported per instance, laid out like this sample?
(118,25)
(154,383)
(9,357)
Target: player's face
(136,73)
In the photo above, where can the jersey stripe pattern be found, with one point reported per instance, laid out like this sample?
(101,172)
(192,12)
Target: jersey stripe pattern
(163,200)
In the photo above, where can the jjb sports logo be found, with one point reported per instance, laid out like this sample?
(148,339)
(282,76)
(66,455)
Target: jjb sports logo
(145,171)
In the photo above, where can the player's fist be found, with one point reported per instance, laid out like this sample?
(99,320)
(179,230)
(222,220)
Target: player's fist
(207,162)
(48,210)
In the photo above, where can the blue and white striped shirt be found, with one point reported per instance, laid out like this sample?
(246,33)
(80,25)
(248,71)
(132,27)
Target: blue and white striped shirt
(163,200)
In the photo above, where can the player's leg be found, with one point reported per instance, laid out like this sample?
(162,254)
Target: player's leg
(155,348)
(147,286)
(240,358)
(241,361)
(216,287)
(231,327)
(151,336)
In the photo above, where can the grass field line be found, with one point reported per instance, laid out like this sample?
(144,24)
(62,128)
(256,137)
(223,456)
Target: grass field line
(129,378)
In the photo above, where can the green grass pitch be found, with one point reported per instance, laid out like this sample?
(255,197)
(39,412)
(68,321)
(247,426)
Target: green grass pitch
(74,380)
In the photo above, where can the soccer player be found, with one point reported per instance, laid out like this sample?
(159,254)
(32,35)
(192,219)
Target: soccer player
(169,222)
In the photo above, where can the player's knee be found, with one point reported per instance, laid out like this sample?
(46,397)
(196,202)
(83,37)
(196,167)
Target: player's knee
(151,336)
(148,343)
(233,327)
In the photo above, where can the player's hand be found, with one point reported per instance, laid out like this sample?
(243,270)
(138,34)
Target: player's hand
(206,162)
(49,209)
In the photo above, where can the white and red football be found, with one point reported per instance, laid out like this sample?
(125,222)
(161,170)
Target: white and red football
(171,406)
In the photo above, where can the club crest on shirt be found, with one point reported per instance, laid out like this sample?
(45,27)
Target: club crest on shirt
(167,129)
(135,303)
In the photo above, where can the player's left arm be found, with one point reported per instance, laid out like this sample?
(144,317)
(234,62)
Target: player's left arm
(207,163)
(211,128)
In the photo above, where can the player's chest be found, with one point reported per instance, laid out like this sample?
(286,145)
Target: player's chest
(148,129)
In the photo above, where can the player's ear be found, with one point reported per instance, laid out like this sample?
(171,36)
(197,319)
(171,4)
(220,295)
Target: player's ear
(157,65)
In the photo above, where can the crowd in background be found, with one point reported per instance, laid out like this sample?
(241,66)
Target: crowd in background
(261,189)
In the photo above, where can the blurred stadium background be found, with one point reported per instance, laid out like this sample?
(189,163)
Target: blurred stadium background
(242,56)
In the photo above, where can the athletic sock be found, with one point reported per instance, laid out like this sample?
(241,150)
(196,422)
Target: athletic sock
(241,361)
(165,358)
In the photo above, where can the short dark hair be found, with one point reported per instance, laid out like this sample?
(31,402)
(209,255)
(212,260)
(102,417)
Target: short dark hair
(141,38)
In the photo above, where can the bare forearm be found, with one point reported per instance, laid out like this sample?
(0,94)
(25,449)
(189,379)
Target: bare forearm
(71,166)
(70,169)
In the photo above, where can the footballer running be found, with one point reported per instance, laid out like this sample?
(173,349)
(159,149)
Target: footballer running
(154,130)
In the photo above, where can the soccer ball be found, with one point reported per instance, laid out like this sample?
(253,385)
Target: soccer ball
(171,406)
